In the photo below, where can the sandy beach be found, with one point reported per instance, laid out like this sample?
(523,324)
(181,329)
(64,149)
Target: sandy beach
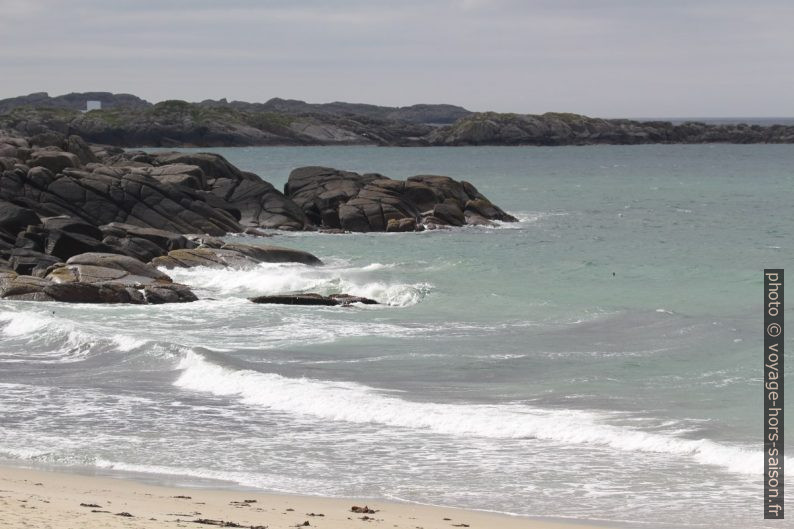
(43,500)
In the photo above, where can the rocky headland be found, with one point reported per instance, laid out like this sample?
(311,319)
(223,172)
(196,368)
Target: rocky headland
(128,121)
(82,222)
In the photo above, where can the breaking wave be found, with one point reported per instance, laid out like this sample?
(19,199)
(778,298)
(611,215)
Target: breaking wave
(356,403)
(279,278)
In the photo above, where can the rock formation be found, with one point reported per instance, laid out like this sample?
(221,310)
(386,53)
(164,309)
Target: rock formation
(372,202)
(90,223)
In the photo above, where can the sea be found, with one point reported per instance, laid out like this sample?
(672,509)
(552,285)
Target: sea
(600,359)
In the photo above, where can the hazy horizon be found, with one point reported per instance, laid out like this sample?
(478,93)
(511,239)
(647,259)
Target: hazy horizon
(615,59)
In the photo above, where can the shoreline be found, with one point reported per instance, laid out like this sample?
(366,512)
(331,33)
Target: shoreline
(32,497)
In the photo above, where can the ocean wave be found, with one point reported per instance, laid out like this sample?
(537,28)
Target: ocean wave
(46,338)
(356,403)
(278,278)
(52,339)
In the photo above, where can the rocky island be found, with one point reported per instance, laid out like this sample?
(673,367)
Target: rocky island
(128,121)
(81,222)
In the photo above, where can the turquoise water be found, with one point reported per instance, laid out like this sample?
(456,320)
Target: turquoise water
(601,359)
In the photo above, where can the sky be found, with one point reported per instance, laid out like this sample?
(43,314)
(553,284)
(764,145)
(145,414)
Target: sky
(607,58)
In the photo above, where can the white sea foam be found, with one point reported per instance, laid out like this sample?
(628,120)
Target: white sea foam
(278,278)
(61,339)
(23,323)
(356,403)
(525,217)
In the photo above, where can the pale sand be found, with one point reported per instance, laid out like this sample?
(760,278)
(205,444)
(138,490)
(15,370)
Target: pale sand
(43,500)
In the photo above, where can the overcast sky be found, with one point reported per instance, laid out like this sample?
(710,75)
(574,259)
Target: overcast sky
(610,58)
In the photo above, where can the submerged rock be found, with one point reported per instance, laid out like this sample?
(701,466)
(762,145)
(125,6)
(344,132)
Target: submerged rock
(313,299)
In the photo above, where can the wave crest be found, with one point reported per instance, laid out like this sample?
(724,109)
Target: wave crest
(356,403)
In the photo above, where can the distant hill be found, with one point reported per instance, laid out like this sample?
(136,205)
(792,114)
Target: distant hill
(129,121)
(73,101)
(429,114)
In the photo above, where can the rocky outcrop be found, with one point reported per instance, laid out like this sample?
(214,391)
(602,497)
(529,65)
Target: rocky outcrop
(320,191)
(350,201)
(313,299)
(98,195)
(80,230)
(80,222)
(251,201)
(98,286)
(231,255)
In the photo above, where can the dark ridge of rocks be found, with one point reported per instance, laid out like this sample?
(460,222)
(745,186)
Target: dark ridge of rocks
(313,299)
(333,199)
(558,128)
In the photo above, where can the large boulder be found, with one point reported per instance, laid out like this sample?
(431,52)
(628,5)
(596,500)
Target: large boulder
(179,174)
(274,254)
(260,204)
(66,237)
(213,166)
(29,288)
(26,261)
(166,240)
(252,201)
(320,191)
(449,213)
(104,268)
(141,249)
(72,225)
(209,257)
(77,146)
(54,160)
(14,218)
(61,237)
(483,208)
(233,256)
(334,199)
(375,205)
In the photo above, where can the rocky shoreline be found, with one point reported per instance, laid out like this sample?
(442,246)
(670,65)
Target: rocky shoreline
(128,121)
(91,223)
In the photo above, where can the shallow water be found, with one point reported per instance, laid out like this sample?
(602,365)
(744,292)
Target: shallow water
(600,359)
